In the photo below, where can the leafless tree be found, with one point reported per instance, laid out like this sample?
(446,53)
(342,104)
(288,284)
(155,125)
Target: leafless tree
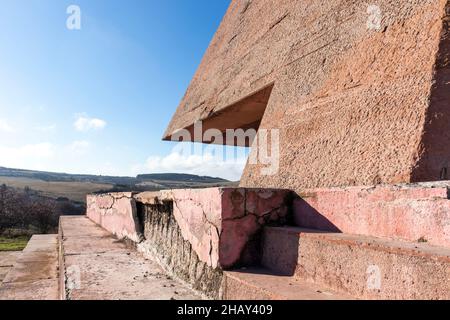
(22,209)
(44,215)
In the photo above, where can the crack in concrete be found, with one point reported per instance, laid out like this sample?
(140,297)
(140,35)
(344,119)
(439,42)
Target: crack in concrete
(246,6)
(279,21)
(114,200)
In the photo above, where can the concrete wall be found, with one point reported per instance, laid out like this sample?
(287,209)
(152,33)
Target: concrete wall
(194,234)
(116,212)
(414,213)
(355,104)
(164,243)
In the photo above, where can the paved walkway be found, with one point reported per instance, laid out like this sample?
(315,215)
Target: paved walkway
(98,267)
(35,273)
(7,260)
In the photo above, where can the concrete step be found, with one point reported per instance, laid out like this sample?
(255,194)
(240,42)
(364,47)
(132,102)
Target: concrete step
(96,266)
(263,284)
(7,261)
(361,266)
(34,275)
(406,212)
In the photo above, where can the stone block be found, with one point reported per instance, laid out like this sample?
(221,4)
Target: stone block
(218,222)
(411,212)
(115,212)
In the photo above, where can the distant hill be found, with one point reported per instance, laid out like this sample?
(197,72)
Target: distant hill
(179,177)
(76,186)
(65,177)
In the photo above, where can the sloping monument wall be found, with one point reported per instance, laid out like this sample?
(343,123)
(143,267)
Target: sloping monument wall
(359,90)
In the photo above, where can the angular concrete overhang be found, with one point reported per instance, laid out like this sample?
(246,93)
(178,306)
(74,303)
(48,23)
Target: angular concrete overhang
(245,114)
(358,90)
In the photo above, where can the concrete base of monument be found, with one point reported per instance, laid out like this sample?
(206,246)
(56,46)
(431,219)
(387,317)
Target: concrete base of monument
(213,238)
(235,243)
(410,212)
(194,234)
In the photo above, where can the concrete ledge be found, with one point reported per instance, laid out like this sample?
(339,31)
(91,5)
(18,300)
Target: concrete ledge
(262,284)
(35,273)
(361,266)
(218,222)
(411,212)
(163,242)
(116,212)
(7,260)
(97,266)
(194,234)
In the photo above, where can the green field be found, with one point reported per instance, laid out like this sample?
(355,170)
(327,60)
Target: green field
(13,243)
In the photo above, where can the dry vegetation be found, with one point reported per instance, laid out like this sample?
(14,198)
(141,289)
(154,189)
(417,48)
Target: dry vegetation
(75,191)
(26,212)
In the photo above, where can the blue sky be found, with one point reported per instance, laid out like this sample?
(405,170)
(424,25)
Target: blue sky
(97,100)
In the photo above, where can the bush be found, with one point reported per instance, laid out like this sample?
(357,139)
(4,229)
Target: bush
(26,209)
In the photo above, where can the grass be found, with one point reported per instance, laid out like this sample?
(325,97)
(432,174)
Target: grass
(13,243)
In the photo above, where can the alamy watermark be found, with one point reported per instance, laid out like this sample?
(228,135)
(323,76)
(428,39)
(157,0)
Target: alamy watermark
(265,144)
(73,278)
(373,277)
(375,17)
(73,21)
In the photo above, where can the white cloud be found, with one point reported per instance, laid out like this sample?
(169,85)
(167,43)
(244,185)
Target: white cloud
(79,147)
(46,129)
(75,157)
(203,165)
(84,123)
(18,157)
(5,126)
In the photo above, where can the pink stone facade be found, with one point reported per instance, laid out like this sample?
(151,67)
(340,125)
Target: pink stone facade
(116,212)
(245,212)
(199,216)
(417,213)
(354,104)
(217,222)
(220,222)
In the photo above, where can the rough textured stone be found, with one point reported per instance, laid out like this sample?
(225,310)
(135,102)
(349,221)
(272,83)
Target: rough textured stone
(195,233)
(116,212)
(363,267)
(7,260)
(218,223)
(261,284)
(354,105)
(108,269)
(164,242)
(35,272)
(416,212)
(199,216)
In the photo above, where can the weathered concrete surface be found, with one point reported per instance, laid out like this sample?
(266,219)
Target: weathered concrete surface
(364,267)
(196,233)
(218,223)
(417,212)
(35,273)
(355,103)
(262,284)
(97,266)
(7,260)
(116,212)
(163,241)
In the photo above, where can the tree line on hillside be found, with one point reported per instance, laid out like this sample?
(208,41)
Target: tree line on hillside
(27,211)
